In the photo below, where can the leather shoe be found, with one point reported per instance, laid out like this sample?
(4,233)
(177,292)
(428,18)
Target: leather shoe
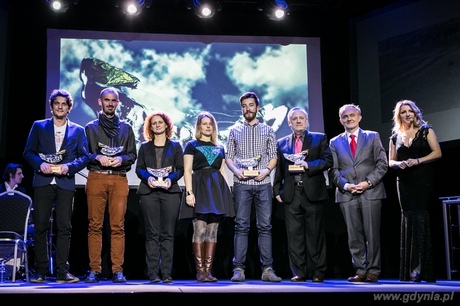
(167,280)
(317,279)
(38,279)
(298,279)
(357,278)
(155,279)
(372,278)
(67,278)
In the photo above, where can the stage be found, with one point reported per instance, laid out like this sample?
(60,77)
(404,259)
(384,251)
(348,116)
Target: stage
(386,291)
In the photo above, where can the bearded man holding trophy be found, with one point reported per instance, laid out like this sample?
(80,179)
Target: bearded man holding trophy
(300,184)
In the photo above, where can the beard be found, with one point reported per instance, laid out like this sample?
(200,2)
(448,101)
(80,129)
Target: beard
(109,112)
(249,116)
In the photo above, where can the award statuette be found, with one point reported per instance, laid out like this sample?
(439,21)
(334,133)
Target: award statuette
(109,151)
(53,159)
(249,164)
(294,158)
(160,174)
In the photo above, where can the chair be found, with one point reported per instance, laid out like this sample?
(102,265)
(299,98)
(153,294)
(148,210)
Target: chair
(15,208)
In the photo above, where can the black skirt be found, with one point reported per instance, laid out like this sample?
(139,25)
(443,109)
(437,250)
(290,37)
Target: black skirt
(212,195)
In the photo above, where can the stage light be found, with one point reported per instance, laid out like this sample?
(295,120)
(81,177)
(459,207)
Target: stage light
(133,7)
(204,8)
(276,9)
(60,6)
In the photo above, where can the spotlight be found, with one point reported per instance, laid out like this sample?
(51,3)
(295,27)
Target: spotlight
(204,8)
(60,6)
(276,9)
(133,7)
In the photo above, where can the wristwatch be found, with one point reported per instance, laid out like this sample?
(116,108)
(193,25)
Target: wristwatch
(370,183)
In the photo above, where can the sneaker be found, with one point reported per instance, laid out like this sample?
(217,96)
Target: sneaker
(269,276)
(66,278)
(118,277)
(238,275)
(93,277)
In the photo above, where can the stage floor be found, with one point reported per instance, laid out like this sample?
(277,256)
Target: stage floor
(445,292)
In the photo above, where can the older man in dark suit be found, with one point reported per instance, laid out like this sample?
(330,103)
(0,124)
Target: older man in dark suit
(300,184)
(360,164)
(56,149)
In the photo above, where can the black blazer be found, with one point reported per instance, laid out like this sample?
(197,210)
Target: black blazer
(172,156)
(319,159)
(18,188)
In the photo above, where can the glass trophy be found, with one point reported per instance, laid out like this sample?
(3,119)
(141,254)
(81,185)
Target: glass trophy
(249,165)
(295,158)
(53,159)
(110,151)
(160,174)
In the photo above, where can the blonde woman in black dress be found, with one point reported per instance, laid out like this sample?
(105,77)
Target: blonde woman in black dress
(208,198)
(413,149)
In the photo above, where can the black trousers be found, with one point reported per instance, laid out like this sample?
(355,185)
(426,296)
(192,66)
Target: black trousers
(44,199)
(306,235)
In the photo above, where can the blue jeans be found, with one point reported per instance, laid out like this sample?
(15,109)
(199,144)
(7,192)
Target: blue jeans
(244,196)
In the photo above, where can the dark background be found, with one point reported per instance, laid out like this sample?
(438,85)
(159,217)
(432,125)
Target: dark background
(23,26)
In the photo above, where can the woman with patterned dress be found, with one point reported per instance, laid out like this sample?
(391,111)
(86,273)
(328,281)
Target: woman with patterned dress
(413,149)
(208,198)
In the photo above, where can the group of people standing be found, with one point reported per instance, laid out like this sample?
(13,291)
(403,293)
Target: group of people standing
(57,149)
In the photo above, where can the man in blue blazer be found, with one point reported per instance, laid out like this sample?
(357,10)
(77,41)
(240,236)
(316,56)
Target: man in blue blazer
(359,191)
(301,185)
(56,149)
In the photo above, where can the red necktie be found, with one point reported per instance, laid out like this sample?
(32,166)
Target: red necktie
(298,144)
(353,145)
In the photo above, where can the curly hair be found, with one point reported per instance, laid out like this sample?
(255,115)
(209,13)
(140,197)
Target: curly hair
(149,134)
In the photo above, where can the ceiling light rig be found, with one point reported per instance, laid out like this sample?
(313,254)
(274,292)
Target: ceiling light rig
(133,7)
(204,8)
(60,6)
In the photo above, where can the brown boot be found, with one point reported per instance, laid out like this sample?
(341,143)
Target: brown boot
(210,249)
(198,253)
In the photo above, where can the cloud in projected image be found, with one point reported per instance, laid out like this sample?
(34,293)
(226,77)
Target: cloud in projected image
(184,78)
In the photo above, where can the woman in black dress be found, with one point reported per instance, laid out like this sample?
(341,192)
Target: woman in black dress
(413,149)
(208,199)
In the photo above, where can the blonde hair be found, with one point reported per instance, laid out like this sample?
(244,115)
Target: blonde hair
(200,117)
(418,122)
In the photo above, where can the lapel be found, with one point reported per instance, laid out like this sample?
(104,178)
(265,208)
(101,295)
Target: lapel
(66,136)
(360,142)
(291,143)
(346,144)
(306,141)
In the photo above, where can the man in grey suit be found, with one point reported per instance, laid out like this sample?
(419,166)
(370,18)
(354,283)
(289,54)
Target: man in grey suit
(359,191)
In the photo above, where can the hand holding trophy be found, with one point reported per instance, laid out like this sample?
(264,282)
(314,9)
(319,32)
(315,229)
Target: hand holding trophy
(295,158)
(160,174)
(249,164)
(53,159)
